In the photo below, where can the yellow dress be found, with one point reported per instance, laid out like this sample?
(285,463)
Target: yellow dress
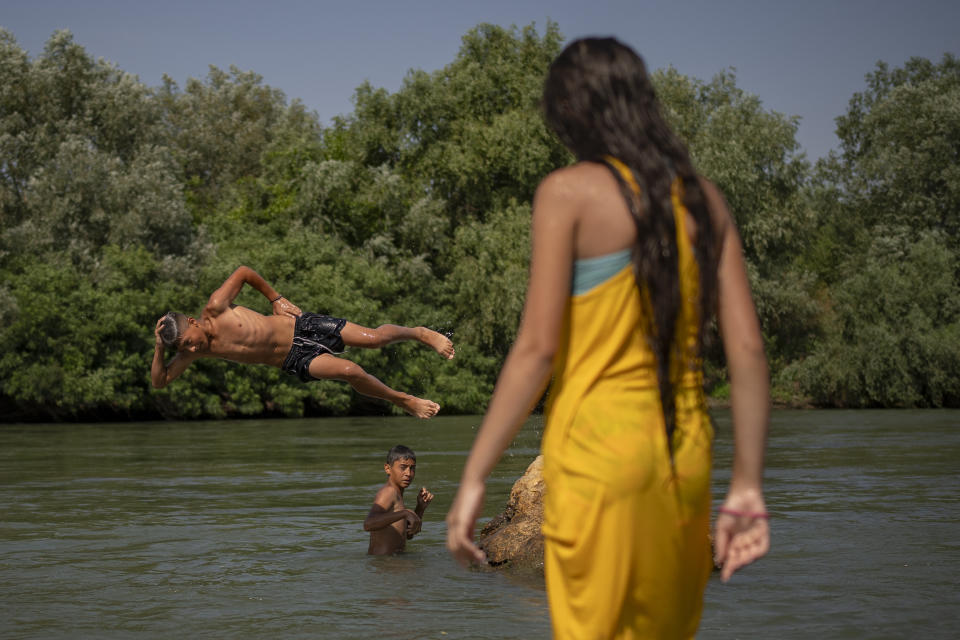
(627,552)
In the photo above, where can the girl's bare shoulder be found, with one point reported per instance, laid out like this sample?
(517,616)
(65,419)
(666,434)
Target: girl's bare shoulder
(578,183)
(576,175)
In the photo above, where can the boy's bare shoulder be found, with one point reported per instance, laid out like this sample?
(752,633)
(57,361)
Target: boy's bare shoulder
(386,496)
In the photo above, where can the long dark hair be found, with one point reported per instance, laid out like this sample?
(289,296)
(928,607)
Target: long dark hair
(599,100)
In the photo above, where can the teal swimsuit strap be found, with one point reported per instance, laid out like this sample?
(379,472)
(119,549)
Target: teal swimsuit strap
(590,272)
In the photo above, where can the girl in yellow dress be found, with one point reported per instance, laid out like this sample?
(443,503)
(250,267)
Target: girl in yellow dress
(632,254)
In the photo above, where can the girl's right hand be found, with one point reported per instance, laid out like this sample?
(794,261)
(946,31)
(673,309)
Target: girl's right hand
(461,520)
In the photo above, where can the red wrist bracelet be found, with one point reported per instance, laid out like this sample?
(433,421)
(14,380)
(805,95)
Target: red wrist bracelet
(743,514)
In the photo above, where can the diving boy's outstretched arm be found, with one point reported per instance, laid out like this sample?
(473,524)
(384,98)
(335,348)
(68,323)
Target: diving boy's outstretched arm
(221,299)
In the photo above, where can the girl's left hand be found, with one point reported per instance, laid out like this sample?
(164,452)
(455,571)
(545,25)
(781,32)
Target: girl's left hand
(742,532)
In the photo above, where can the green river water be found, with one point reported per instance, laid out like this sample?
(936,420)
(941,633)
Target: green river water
(253,529)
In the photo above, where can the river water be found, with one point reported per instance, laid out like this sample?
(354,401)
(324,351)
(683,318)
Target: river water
(253,529)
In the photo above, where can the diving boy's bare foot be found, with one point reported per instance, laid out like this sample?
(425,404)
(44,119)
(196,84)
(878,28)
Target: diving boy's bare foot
(418,407)
(439,342)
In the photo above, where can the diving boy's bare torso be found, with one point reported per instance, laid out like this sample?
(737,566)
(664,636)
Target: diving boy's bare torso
(243,335)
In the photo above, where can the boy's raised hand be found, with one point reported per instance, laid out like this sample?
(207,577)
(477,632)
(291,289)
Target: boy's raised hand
(424,498)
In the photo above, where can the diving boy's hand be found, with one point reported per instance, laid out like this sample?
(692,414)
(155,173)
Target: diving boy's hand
(282,306)
(423,499)
(156,332)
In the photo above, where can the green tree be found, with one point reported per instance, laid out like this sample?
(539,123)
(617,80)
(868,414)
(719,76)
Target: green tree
(92,224)
(886,247)
(221,129)
(893,332)
(82,161)
(900,162)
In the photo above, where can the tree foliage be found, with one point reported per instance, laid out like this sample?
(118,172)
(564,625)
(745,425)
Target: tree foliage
(119,202)
(886,246)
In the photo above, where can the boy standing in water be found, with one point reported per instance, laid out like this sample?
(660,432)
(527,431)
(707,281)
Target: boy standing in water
(389,522)
(302,344)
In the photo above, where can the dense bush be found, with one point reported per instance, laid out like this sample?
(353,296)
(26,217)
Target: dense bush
(119,202)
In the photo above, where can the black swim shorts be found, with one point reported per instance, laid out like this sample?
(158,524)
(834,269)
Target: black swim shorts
(313,335)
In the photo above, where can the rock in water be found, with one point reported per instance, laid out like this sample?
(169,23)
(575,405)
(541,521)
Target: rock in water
(514,536)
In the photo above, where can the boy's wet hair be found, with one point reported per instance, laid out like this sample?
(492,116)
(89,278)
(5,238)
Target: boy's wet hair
(400,452)
(172,327)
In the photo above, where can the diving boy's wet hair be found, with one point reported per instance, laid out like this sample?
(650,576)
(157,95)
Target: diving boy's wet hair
(400,452)
(172,327)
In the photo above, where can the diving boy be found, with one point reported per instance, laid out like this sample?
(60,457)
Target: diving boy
(389,522)
(302,344)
